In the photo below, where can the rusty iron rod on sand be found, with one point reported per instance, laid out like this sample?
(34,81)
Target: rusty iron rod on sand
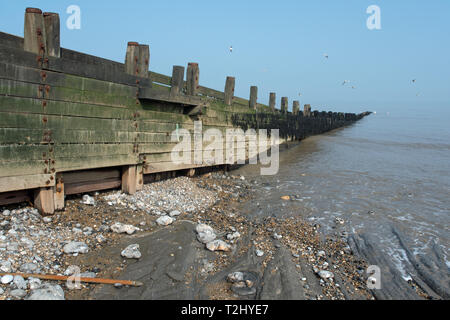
(81,279)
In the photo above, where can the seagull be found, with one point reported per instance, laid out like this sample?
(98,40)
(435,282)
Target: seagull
(414,81)
(299,94)
(345,82)
(325,55)
(231,49)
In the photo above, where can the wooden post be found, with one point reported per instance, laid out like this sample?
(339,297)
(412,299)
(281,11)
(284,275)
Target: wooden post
(44,200)
(132,58)
(59,192)
(272,99)
(253,97)
(34,32)
(139,177)
(144,60)
(192,78)
(307,110)
(229,90)
(52,33)
(129,179)
(177,80)
(284,104)
(295,107)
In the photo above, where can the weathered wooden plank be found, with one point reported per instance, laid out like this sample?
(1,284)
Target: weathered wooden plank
(55,79)
(14,197)
(84,187)
(24,182)
(85,163)
(36,106)
(21,136)
(91,150)
(22,166)
(9,40)
(17,152)
(177,80)
(99,69)
(165,95)
(92,175)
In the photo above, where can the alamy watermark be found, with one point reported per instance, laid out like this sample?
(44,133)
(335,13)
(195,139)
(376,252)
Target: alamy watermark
(374,20)
(73,22)
(212,148)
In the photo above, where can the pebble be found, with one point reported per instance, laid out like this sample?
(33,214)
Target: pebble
(18,293)
(75,247)
(164,220)
(47,292)
(131,252)
(325,274)
(20,283)
(34,283)
(235,277)
(87,199)
(47,219)
(259,253)
(7,279)
(28,267)
(218,245)
(123,228)
(174,213)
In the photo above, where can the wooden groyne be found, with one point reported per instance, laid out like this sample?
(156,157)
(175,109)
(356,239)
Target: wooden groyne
(73,123)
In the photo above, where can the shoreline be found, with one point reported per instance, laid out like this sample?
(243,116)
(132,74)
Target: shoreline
(290,248)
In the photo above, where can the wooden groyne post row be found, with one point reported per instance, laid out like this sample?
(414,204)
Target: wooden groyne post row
(72,123)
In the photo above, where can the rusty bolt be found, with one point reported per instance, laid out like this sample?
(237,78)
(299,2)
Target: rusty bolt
(53,161)
(44,103)
(59,189)
(47,182)
(52,178)
(46,161)
(53,170)
(44,119)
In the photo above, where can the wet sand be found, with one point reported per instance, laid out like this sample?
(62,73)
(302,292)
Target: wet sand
(175,265)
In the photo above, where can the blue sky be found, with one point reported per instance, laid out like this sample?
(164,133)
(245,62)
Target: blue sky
(278,46)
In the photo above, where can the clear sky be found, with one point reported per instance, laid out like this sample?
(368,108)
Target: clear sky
(278,46)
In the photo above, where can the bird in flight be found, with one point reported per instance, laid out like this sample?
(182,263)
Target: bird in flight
(413,80)
(325,55)
(299,94)
(231,49)
(345,82)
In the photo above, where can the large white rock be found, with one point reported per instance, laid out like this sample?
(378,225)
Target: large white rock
(164,220)
(76,247)
(47,292)
(123,228)
(131,252)
(203,228)
(206,237)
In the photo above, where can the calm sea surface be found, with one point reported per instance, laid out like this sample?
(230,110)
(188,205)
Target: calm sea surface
(389,169)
